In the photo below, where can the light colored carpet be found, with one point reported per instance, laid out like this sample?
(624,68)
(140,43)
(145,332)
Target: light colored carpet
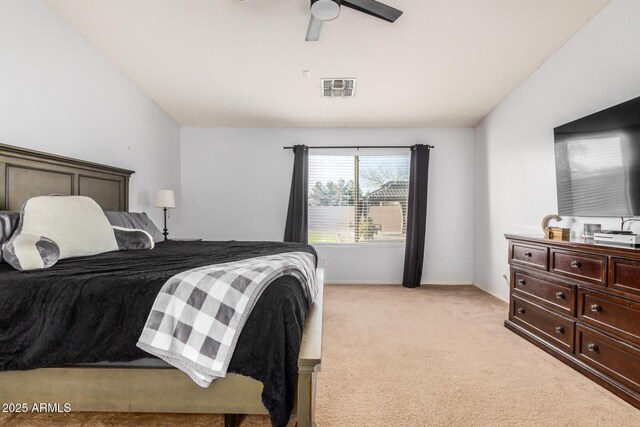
(434,356)
(438,356)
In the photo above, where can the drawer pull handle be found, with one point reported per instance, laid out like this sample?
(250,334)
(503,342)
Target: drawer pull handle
(528,254)
(575,264)
(559,295)
(559,330)
(522,282)
(595,307)
(521,310)
(592,347)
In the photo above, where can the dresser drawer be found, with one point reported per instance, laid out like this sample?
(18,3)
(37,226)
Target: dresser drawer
(591,268)
(552,328)
(616,359)
(530,255)
(625,275)
(554,295)
(616,315)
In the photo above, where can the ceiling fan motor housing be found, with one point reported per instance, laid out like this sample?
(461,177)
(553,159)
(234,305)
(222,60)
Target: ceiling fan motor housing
(325,10)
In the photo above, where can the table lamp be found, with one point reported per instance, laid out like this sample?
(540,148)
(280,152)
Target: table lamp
(165,200)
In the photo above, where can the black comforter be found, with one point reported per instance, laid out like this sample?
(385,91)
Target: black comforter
(92,309)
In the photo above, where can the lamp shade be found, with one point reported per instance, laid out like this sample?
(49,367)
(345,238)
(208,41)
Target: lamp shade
(165,199)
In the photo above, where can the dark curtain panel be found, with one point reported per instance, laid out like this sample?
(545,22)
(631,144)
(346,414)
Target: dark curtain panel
(416,216)
(297,223)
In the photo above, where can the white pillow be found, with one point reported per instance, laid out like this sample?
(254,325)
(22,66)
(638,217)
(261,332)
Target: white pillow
(76,224)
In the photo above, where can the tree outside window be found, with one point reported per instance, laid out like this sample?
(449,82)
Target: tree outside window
(358,199)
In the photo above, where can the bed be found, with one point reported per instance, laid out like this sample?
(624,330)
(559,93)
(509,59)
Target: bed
(127,380)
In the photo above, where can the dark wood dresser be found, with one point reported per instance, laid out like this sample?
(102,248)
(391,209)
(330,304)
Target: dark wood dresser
(580,302)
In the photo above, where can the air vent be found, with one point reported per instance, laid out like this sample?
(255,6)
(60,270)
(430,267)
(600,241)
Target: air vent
(338,88)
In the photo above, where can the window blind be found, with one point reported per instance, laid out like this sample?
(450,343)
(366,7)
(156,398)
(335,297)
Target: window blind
(358,198)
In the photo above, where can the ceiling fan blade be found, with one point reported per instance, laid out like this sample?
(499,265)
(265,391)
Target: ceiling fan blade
(313,32)
(374,8)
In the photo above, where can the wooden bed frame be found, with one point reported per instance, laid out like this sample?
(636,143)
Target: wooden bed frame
(27,173)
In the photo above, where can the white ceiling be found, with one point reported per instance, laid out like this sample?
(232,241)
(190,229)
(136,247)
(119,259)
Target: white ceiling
(240,63)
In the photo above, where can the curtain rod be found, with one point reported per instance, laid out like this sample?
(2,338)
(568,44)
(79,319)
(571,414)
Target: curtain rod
(357,147)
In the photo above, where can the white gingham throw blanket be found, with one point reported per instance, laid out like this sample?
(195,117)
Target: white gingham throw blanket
(198,315)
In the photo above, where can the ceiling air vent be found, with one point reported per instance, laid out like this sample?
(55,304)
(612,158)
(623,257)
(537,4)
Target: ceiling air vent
(338,88)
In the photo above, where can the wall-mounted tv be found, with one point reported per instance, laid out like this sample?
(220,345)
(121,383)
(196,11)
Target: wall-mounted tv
(598,163)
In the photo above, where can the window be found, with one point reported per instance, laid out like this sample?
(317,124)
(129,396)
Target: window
(358,199)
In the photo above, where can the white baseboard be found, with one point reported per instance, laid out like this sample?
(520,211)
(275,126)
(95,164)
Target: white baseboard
(493,294)
(395,283)
(428,283)
(445,283)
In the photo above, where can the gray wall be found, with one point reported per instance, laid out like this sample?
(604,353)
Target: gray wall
(236,181)
(515,183)
(57,94)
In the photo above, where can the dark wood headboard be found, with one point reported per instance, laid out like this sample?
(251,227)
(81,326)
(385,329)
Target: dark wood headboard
(27,173)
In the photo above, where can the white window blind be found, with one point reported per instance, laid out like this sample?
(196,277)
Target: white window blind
(358,198)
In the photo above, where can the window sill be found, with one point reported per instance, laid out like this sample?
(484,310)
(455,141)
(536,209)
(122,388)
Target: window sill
(359,245)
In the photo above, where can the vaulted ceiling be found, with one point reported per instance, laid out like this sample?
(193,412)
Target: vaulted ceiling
(240,63)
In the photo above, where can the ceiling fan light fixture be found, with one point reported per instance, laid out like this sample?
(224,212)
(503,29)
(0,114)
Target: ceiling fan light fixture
(325,10)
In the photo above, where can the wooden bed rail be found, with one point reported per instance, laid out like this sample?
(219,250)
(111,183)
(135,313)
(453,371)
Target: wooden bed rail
(309,360)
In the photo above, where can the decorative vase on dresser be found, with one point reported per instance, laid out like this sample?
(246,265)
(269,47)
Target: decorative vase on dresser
(580,302)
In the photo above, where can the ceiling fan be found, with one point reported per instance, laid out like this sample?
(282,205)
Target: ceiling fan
(328,10)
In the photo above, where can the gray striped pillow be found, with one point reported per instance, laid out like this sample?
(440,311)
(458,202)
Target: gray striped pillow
(135,220)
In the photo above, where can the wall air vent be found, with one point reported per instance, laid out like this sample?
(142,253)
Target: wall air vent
(338,88)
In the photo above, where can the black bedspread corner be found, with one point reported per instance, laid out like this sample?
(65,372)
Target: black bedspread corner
(92,309)
(283,304)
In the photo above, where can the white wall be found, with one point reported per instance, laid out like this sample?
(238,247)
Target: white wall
(57,94)
(236,182)
(514,158)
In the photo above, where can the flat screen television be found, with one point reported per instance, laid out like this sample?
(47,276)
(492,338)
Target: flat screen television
(598,163)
